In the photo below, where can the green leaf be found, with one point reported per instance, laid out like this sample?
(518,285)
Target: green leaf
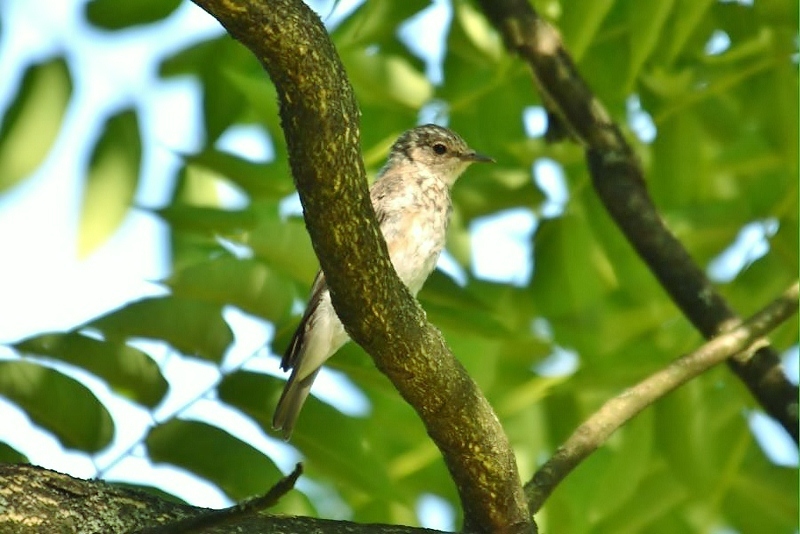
(330,441)
(189,60)
(476,33)
(32,122)
(645,23)
(115,15)
(238,469)
(193,327)
(374,23)
(485,191)
(758,500)
(208,221)
(249,284)
(284,246)
(211,61)
(459,310)
(581,21)
(10,455)
(630,460)
(259,180)
(478,79)
(685,418)
(223,105)
(261,96)
(391,81)
(131,372)
(58,403)
(672,179)
(570,267)
(686,17)
(112,180)
(658,501)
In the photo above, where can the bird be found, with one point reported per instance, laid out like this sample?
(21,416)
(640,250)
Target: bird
(411,199)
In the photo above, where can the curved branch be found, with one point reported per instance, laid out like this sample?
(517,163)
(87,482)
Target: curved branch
(320,121)
(619,181)
(740,341)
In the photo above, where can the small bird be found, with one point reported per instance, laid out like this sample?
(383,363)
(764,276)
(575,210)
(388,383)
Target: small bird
(411,198)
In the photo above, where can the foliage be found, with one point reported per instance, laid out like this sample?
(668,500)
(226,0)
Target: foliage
(724,156)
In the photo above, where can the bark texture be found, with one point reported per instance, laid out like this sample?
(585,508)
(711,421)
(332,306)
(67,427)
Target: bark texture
(35,500)
(320,121)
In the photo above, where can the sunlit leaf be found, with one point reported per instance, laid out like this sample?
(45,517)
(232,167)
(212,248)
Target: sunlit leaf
(211,62)
(630,460)
(112,180)
(31,123)
(758,500)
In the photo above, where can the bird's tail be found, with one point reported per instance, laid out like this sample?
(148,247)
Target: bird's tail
(292,399)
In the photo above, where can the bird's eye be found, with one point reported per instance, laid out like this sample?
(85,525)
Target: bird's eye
(439,148)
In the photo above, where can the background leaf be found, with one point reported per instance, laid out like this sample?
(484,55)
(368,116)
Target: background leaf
(111,181)
(58,403)
(112,15)
(241,472)
(193,327)
(32,122)
(131,372)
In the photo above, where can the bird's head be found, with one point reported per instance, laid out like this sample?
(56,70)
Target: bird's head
(439,149)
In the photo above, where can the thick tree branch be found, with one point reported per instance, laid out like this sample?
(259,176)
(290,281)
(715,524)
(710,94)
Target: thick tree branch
(619,182)
(33,499)
(737,343)
(320,121)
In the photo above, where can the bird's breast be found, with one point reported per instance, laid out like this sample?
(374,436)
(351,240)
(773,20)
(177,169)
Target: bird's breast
(415,231)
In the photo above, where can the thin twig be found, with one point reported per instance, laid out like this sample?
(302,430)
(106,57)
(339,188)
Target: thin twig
(216,518)
(743,339)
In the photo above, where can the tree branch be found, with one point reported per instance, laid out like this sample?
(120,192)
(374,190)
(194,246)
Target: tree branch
(320,121)
(739,342)
(33,499)
(619,181)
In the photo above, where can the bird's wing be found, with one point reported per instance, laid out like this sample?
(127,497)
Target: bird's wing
(292,353)
(375,193)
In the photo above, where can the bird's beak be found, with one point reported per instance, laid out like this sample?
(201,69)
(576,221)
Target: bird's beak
(478,158)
